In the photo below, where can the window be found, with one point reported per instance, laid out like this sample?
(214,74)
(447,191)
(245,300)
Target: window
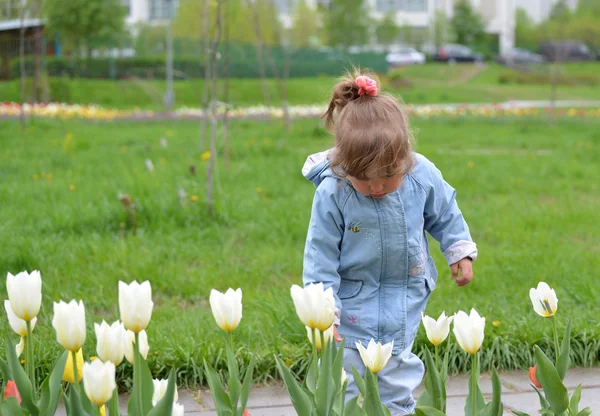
(159,9)
(385,6)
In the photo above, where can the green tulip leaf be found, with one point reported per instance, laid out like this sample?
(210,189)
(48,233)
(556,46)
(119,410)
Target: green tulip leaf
(246,385)
(51,387)
(543,402)
(5,370)
(222,402)
(360,382)
(22,381)
(140,372)
(300,399)
(444,370)
(234,384)
(434,383)
(428,411)
(11,407)
(338,362)
(164,407)
(353,409)
(76,407)
(585,412)
(562,362)
(425,400)
(372,403)
(495,407)
(311,378)
(326,385)
(556,393)
(575,398)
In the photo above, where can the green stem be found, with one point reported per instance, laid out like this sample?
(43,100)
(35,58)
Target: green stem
(230,340)
(29,365)
(474,377)
(315,356)
(322,334)
(437,358)
(114,404)
(75,373)
(137,372)
(556,344)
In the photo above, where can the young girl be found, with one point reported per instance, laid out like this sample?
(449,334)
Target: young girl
(374,201)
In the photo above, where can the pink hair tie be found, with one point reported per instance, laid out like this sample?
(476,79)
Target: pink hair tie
(366,86)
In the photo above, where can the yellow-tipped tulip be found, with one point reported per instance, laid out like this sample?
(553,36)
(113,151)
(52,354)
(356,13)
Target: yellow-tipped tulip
(112,341)
(25,294)
(144,347)
(17,324)
(437,331)
(99,381)
(178,410)
(135,305)
(160,388)
(315,307)
(69,323)
(327,335)
(376,356)
(468,330)
(226,308)
(544,300)
(69,373)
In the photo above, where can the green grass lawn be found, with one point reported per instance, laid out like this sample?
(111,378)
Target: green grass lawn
(529,192)
(430,83)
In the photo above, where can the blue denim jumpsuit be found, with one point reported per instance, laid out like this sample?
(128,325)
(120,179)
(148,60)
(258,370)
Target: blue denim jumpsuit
(375,255)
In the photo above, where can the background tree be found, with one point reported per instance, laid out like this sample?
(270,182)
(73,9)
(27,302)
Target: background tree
(387,30)
(305,26)
(468,25)
(440,29)
(526,31)
(81,21)
(347,23)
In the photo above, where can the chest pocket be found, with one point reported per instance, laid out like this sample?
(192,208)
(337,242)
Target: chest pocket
(349,288)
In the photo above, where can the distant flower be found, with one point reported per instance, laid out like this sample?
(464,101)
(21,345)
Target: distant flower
(205,156)
(193,198)
(544,300)
(471,164)
(259,190)
(149,165)
(163,143)
(72,187)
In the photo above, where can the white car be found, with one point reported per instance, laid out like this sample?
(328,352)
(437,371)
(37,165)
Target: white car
(405,56)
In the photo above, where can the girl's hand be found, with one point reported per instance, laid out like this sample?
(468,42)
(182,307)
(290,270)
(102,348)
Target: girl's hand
(466,267)
(336,334)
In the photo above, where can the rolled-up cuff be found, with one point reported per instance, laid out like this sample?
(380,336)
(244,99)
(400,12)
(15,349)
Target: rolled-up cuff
(338,313)
(460,250)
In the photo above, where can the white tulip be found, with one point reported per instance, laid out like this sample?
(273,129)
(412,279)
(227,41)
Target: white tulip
(375,356)
(111,342)
(25,294)
(20,347)
(17,324)
(327,335)
(69,323)
(160,388)
(178,410)
(437,331)
(315,307)
(144,347)
(544,300)
(135,305)
(99,381)
(468,330)
(226,308)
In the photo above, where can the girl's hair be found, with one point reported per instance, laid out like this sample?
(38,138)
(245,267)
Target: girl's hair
(371,130)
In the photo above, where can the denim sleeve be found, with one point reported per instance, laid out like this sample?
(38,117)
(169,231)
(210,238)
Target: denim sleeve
(322,250)
(445,222)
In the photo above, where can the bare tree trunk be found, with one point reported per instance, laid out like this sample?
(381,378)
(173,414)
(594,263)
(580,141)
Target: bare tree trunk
(22,63)
(207,74)
(226,91)
(260,52)
(213,110)
(558,56)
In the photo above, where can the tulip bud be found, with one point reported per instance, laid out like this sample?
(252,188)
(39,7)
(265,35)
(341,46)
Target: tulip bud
(437,331)
(327,335)
(12,391)
(376,356)
(69,323)
(99,381)
(17,324)
(144,347)
(469,330)
(25,294)
(178,410)
(544,300)
(69,371)
(160,388)
(227,308)
(135,305)
(315,307)
(111,341)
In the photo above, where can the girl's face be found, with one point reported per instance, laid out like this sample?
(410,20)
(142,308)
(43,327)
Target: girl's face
(377,187)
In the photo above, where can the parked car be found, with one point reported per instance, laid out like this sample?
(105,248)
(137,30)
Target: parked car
(567,51)
(457,53)
(519,56)
(405,56)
